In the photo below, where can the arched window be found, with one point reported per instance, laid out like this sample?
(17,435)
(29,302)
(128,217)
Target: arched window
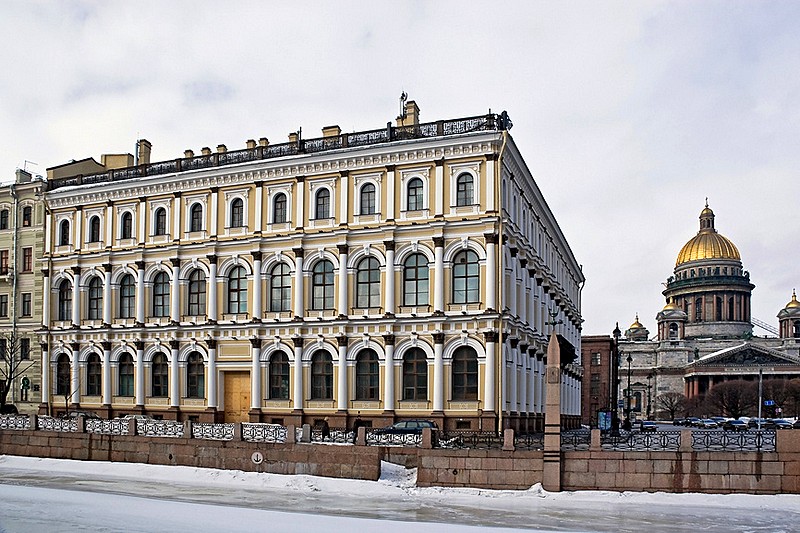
(196,217)
(125,375)
(279,209)
(126,222)
(94,229)
(65,301)
(27,216)
(368,283)
(367,382)
(415,375)
(465,190)
(698,309)
(237,213)
(160,376)
(673,330)
(323,204)
(321,376)
(719,309)
(195,376)
(94,371)
(161,295)
(279,377)
(322,286)
(197,293)
(161,221)
(4,219)
(63,233)
(465,374)
(127,297)
(796,333)
(415,280)
(414,191)
(730,309)
(95,299)
(62,375)
(466,278)
(280,288)
(367,206)
(237,291)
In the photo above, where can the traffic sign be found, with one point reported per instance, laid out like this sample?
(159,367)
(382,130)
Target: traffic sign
(769,402)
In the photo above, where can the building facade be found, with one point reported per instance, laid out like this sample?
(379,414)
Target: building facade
(410,271)
(705,331)
(21,245)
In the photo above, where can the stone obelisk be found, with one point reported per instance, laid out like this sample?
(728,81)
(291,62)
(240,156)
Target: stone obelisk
(551,476)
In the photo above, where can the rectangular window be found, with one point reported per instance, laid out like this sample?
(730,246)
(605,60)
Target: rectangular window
(4,305)
(26,304)
(3,261)
(595,358)
(25,349)
(595,385)
(27,259)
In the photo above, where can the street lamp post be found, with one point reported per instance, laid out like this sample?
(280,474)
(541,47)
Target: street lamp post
(628,396)
(649,388)
(614,385)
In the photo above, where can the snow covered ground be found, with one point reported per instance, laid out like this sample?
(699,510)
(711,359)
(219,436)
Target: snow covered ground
(47,495)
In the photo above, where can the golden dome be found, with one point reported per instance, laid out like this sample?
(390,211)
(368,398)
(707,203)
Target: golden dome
(636,324)
(794,304)
(671,306)
(707,244)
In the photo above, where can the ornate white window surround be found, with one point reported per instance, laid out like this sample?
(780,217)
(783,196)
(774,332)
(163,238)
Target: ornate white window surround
(242,194)
(456,170)
(406,176)
(358,182)
(154,205)
(272,191)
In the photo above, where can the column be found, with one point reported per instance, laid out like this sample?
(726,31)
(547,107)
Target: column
(512,288)
(439,181)
(142,215)
(522,283)
(513,378)
(344,193)
(297,393)
(78,228)
(106,373)
(490,182)
(257,305)
(76,297)
(389,305)
(298,283)
(213,215)
(139,379)
(175,295)
(140,296)
(342,299)
(504,386)
(390,201)
(300,207)
(531,381)
(489,386)
(540,386)
(109,223)
(45,300)
(388,394)
(212,289)
(176,216)
(255,374)
(438,285)
(523,378)
(75,375)
(491,271)
(45,373)
(211,403)
(341,391)
(107,298)
(259,210)
(174,375)
(438,372)
(51,234)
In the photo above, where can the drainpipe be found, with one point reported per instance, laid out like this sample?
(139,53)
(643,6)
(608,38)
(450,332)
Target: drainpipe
(500,357)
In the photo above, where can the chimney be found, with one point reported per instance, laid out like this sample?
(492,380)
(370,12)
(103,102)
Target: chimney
(205,150)
(23,176)
(251,143)
(144,151)
(221,148)
(293,137)
(331,131)
(188,153)
(410,115)
(263,141)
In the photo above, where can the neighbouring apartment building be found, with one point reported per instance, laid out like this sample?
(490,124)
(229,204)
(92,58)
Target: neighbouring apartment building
(406,272)
(22,218)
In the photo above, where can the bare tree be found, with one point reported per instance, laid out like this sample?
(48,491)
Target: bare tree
(780,392)
(671,403)
(12,366)
(733,398)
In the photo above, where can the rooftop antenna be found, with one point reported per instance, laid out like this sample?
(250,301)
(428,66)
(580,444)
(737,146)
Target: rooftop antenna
(403,98)
(25,165)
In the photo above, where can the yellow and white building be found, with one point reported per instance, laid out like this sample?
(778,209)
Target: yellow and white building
(407,272)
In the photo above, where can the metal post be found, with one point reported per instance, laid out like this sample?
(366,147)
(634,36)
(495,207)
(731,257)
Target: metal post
(649,388)
(760,401)
(614,385)
(628,396)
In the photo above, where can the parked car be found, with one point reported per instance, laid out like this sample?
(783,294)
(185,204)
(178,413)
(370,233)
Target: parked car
(734,425)
(779,423)
(796,424)
(691,421)
(135,417)
(679,422)
(719,420)
(753,423)
(648,425)
(407,427)
(707,423)
(74,415)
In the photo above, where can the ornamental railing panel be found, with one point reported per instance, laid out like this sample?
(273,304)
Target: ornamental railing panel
(338,435)
(48,423)
(257,432)
(159,428)
(576,440)
(529,441)
(744,441)
(114,426)
(642,441)
(15,422)
(375,438)
(465,439)
(201,430)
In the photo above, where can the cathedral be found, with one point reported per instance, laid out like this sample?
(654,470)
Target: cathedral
(704,334)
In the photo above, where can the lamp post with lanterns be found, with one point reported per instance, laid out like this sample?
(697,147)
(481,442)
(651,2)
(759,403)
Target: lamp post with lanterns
(614,385)
(628,396)
(649,388)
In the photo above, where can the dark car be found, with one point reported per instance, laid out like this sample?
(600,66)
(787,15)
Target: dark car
(72,415)
(796,424)
(691,421)
(780,423)
(407,427)
(678,422)
(734,425)
(648,425)
(753,423)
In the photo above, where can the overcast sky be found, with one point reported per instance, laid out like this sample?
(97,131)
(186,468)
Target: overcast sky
(629,114)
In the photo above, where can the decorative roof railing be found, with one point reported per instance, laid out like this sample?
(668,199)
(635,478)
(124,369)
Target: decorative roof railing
(488,122)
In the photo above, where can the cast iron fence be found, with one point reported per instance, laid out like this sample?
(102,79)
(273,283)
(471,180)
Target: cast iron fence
(480,440)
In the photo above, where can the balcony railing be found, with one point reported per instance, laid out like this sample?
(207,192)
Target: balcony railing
(488,122)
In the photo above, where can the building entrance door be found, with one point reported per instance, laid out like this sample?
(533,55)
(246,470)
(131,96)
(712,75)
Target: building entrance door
(237,396)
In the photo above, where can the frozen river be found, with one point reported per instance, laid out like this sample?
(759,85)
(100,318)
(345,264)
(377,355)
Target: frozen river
(40,495)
